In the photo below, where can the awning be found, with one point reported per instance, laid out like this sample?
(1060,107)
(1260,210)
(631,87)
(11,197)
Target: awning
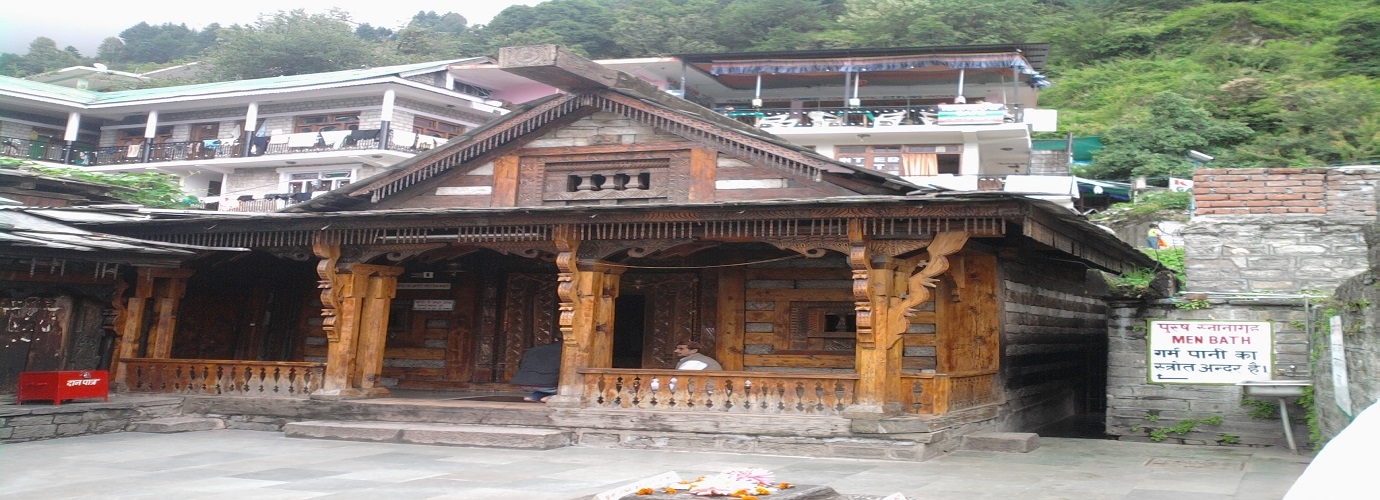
(1011,60)
(1114,190)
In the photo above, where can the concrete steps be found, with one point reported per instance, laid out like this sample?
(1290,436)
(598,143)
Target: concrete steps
(487,436)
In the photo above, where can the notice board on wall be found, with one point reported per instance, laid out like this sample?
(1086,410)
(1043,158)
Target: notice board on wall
(1210,352)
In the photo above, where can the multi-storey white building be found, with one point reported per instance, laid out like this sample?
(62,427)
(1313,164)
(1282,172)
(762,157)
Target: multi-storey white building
(958,117)
(250,145)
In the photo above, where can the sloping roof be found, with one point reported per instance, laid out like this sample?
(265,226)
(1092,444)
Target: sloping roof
(21,86)
(629,94)
(26,233)
(1056,228)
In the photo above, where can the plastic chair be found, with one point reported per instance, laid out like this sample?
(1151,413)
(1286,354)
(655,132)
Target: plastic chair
(777,121)
(889,119)
(822,119)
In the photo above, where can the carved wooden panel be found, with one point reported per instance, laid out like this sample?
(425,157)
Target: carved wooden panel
(672,314)
(969,317)
(529,318)
(588,177)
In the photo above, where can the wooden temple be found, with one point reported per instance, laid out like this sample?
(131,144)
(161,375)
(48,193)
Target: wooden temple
(625,219)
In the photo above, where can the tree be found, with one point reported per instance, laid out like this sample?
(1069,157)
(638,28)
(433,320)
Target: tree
(291,43)
(449,22)
(150,189)
(660,27)
(111,50)
(580,25)
(159,44)
(1156,146)
(43,56)
(903,23)
(1358,45)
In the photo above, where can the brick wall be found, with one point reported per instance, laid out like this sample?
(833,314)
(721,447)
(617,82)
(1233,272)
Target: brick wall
(1260,191)
(1278,229)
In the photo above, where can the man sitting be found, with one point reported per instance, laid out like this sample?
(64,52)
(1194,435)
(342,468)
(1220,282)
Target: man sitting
(539,371)
(690,358)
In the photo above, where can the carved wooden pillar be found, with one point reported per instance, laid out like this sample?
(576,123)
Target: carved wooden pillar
(885,288)
(130,328)
(588,292)
(356,306)
(728,349)
(878,357)
(381,286)
(169,288)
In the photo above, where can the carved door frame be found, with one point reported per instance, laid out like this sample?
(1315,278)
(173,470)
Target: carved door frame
(673,312)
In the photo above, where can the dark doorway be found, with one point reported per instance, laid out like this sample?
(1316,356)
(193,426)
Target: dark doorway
(629,327)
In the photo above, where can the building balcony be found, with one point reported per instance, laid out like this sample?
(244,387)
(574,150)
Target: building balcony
(202,152)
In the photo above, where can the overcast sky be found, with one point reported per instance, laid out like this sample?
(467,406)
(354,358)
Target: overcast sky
(84,23)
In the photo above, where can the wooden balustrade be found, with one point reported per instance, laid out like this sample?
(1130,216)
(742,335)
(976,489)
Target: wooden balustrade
(223,377)
(719,391)
(940,393)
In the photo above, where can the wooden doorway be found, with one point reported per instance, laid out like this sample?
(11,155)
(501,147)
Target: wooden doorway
(670,312)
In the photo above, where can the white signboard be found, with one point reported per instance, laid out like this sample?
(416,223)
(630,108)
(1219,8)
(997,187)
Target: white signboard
(433,305)
(1341,390)
(1210,352)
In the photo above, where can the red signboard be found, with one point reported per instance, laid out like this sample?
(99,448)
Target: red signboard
(57,386)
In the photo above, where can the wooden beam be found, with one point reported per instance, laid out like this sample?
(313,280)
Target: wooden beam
(704,164)
(505,192)
(728,347)
(556,66)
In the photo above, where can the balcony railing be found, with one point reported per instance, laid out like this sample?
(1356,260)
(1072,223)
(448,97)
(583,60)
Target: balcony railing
(42,150)
(287,379)
(85,154)
(944,114)
(941,393)
(719,391)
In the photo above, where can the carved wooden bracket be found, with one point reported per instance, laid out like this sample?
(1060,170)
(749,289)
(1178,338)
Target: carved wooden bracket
(396,252)
(944,244)
(814,250)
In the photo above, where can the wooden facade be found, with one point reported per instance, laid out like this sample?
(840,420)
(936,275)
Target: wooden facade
(626,220)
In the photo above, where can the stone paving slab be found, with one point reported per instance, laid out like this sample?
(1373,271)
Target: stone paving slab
(483,436)
(232,463)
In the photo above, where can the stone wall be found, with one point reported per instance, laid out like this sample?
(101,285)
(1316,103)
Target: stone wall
(1272,253)
(1356,300)
(1135,406)
(34,422)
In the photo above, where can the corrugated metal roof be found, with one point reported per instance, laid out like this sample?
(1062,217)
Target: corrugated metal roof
(17,85)
(20,229)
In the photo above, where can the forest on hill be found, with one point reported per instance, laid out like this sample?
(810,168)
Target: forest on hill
(1265,83)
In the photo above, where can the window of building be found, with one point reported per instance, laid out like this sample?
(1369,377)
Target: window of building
(311,182)
(436,128)
(325,123)
(903,160)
